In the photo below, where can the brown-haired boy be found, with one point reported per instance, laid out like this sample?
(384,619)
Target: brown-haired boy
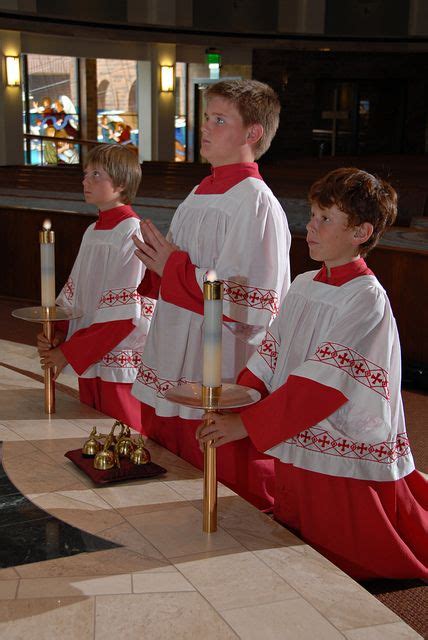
(332,416)
(232,223)
(104,346)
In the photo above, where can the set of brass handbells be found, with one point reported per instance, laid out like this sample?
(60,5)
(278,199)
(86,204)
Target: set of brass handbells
(107,454)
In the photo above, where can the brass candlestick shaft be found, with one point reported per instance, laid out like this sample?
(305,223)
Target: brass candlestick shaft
(49,333)
(209,523)
(210,396)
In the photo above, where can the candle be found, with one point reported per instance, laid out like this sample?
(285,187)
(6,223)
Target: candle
(47,264)
(213,313)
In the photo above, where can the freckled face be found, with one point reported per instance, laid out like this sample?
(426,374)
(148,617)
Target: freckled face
(98,189)
(224,137)
(330,239)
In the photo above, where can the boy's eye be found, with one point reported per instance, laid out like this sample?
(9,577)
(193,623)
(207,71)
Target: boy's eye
(219,120)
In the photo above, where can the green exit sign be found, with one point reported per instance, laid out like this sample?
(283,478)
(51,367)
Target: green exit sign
(212,58)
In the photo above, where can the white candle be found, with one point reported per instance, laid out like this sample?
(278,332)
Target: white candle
(213,313)
(47,264)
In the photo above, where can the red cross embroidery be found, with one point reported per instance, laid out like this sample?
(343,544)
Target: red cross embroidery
(325,351)
(343,358)
(305,436)
(342,445)
(376,378)
(401,444)
(380,451)
(253,297)
(361,448)
(359,368)
(324,441)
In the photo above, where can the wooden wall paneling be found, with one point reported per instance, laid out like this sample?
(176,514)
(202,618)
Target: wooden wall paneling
(20,258)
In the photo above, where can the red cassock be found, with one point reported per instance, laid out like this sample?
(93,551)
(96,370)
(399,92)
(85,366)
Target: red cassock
(231,223)
(333,419)
(104,346)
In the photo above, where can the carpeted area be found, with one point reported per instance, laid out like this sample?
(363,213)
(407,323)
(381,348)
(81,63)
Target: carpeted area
(407,598)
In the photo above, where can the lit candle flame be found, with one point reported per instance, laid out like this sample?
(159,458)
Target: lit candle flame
(211,275)
(47,225)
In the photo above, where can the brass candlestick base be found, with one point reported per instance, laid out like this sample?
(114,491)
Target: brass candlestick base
(47,316)
(212,399)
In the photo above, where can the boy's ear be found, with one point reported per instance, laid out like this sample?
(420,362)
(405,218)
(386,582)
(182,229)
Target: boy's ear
(363,232)
(255,132)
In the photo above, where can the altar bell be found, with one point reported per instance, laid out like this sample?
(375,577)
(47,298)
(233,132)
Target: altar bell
(104,346)
(332,416)
(230,222)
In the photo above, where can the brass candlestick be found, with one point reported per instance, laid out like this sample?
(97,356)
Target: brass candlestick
(212,400)
(47,316)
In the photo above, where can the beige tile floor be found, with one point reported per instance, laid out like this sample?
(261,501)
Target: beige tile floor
(250,579)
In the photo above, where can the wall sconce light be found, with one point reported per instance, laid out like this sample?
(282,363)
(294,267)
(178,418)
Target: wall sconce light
(13,71)
(167,78)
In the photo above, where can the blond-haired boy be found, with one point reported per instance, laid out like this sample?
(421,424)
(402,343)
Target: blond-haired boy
(104,346)
(232,223)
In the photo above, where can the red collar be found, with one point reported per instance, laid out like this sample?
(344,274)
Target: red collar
(344,273)
(110,218)
(227,176)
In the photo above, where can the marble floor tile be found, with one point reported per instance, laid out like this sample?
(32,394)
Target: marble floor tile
(126,535)
(292,619)
(74,586)
(47,618)
(101,422)
(238,580)
(341,600)
(99,563)
(8,589)
(59,446)
(49,476)
(178,532)
(8,574)
(131,498)
(158,616)
(7,435)
(17,448)
(167,581)
(192,489)
(253,529)
(44,429)
(394,631)
(91,516)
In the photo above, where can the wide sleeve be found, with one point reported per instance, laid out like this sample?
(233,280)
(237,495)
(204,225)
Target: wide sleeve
(122,274)
(295,406)
(262,363)
(87,346)
(254,262)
